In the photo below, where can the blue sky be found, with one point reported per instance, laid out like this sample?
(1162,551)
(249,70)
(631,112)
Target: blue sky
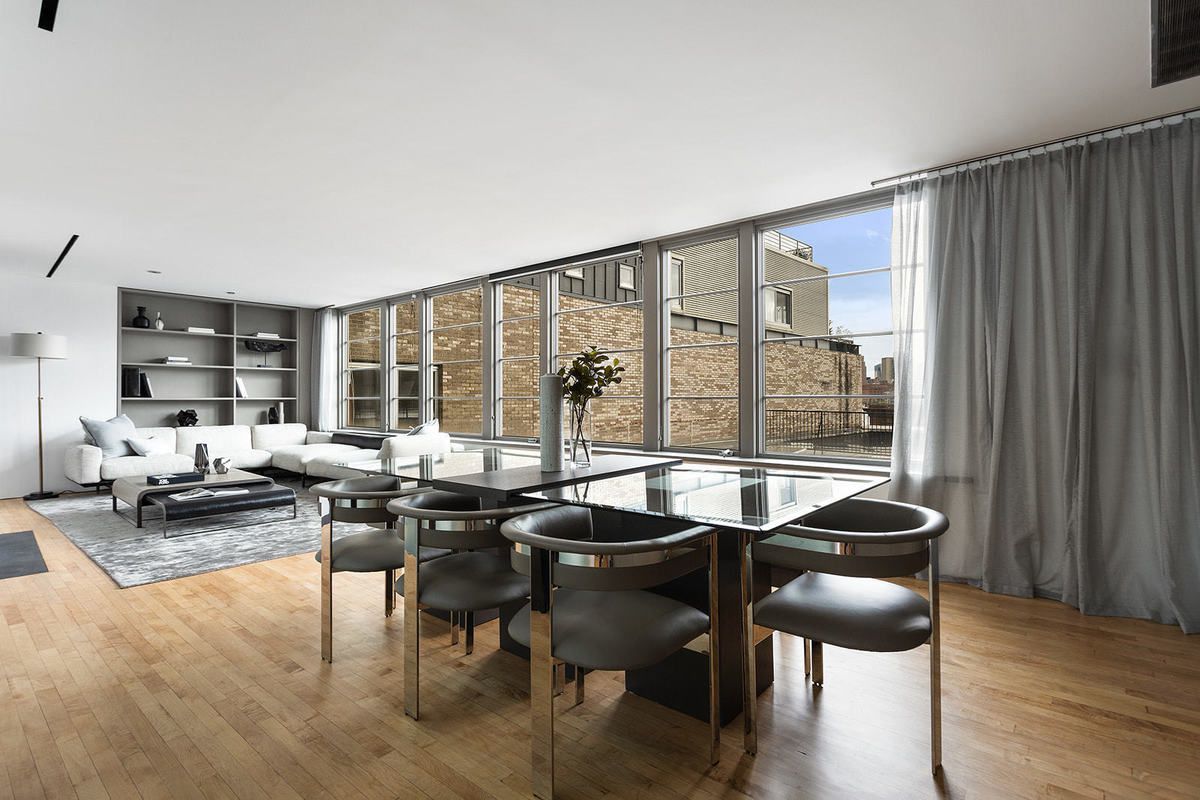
(860,304)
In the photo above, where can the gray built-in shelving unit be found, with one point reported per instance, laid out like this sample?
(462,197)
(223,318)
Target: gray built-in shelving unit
(207,384)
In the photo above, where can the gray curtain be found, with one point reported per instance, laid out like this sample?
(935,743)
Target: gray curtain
(1047,310)
(324,371)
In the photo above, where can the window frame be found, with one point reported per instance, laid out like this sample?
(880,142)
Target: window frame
(657,304)
(344,369)
(844,207)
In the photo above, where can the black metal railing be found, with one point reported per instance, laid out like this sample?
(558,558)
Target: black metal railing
(866,432)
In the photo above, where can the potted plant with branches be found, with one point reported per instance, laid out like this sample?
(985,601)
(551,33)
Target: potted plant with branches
(584,379)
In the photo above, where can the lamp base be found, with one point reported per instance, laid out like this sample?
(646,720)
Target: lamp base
(40,495)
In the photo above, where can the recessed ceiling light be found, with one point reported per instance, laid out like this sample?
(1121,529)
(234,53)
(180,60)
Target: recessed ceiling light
(154,271)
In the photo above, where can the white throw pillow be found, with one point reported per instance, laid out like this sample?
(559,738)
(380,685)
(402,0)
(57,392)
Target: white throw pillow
(424,429)
(150,446)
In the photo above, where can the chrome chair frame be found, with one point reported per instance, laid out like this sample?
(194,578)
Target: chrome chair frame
(367,507)
(541,558)
(454,530)
(871,554)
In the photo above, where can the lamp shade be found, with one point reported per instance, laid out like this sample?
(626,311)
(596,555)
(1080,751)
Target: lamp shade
(39,345)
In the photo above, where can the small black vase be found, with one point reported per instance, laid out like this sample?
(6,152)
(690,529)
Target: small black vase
(141,320)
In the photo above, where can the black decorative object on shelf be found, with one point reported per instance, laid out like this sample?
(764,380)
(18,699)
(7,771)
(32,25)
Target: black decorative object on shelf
(131,385)
(259,346)
(141,320)
(187,417)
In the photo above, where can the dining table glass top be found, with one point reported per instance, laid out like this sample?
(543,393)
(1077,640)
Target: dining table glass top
(747,498)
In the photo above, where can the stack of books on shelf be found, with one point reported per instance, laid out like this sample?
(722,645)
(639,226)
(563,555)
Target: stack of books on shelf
(198,329)
(263,335)
(176,360)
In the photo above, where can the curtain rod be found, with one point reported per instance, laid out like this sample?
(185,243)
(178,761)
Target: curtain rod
(974,159)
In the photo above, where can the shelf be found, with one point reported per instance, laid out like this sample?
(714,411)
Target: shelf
(176,399)
(267,399)
(263,338)
(267,369)
(128,329)
(174,366)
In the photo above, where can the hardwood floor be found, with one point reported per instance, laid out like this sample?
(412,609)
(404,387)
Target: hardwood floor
(213,687)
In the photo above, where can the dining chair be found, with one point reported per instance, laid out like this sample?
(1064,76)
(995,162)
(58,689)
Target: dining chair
(844,551)
(589,608)
(475,576)
(360,501)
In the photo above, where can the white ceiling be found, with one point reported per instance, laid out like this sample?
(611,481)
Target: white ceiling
(327,152)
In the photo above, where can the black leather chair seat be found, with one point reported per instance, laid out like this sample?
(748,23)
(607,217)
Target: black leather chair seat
(373,551)
(858,613)
(469,582)
(615,630)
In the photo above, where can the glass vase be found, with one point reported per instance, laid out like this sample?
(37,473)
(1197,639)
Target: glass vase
(579,449)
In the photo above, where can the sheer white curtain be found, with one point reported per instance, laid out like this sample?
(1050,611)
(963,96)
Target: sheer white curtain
(324,371)
(1047,317)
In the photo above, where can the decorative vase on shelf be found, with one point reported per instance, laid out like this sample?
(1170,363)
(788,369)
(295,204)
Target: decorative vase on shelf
(141,320)
(158,321)
(580,446)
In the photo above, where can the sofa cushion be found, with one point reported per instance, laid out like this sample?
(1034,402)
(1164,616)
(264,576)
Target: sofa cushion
(136,466)
(110,435)
(151,445)
(424,445)
(249,459)
(222,440)
(295,457)
(269,437)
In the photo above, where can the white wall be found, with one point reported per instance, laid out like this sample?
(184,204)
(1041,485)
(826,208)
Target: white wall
(84,384)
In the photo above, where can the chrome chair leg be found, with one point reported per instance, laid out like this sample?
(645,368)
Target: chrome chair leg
(541,673)
(389,592)
(453,627)
(749,676)
(469,630)
(412,620)
(935,663)
(818,664)
(323,508)
(714,658)
(807,657)
(579,686)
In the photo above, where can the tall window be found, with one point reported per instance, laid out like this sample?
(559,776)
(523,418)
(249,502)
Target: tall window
(456,361)
(596,310)
(362,370)
(518,355)
(406,384)
(702,345)
(827,348)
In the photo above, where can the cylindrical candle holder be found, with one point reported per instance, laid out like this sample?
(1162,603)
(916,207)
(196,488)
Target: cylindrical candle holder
(551,438)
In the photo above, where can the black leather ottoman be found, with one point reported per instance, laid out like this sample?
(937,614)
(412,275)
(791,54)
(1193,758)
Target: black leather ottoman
(255,498)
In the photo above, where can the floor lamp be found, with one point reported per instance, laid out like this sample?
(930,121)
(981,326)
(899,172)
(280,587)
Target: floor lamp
(39,345)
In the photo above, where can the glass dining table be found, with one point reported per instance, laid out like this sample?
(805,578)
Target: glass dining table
(652,493)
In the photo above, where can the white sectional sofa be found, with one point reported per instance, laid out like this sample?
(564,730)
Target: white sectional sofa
(291,447)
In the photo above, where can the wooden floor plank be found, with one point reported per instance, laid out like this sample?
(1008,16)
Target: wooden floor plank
(213,687)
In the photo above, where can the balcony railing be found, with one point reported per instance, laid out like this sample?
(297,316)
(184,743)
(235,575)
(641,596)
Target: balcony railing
(855,433)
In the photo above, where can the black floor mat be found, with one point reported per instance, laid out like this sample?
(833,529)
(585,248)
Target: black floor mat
(20,555)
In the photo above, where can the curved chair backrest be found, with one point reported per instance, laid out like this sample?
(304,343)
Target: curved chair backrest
(362,499)
(455,521)
(568,530)
(858,538)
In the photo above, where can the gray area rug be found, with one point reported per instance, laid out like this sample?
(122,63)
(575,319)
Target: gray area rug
(136,556)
